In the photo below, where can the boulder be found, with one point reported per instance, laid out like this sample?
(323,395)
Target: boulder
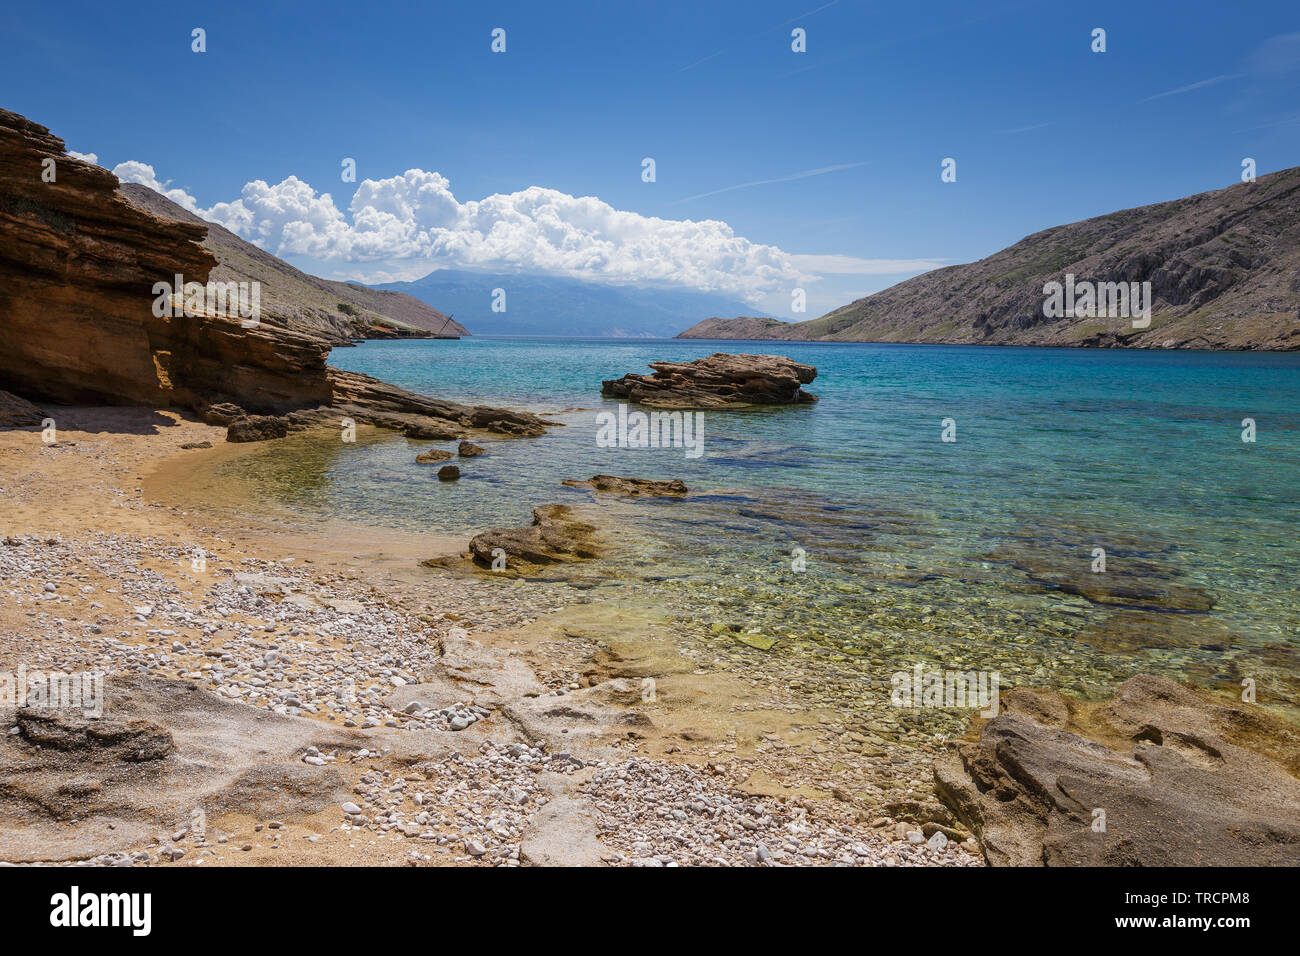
(432,456)
(555,536)
(448,473)
(256,428)
(467,449)
(720,381)
(1161,775)
(586,718)
(222,413)
(636,487)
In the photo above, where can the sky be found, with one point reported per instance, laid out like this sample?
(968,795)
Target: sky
(774,170)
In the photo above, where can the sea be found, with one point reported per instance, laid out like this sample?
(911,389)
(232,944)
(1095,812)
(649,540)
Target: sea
(1060,517)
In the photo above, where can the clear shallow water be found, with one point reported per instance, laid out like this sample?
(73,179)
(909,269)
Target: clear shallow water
(973,554)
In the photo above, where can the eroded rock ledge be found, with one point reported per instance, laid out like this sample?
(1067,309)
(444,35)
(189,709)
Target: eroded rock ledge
(720,381)
(1161,775)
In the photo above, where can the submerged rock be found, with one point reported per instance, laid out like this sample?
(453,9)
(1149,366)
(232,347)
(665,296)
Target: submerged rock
(630,486)
(1161,775)
(448,473)
(431,456)
(722,380)
(1138,574)
(515,429)
(430,431)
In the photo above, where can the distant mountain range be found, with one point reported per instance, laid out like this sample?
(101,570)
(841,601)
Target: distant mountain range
(1223,268)
(553,305)
(339,312)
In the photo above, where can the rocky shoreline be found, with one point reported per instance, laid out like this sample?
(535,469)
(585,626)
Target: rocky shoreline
(362,719)
(312,697)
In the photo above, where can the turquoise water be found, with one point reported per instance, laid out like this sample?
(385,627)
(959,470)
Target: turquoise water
(974,553)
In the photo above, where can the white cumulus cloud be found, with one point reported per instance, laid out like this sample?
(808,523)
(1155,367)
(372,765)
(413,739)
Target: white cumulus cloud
(133,171)
(416,216)
(413,223)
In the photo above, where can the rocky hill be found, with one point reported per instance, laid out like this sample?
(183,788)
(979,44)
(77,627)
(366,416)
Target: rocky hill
(744,327)
(339,311)
(1224,268)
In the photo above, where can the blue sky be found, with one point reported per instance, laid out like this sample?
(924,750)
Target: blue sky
(824,165)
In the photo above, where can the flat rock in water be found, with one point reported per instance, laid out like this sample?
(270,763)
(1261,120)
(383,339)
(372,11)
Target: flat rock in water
(722,380)
(636,487)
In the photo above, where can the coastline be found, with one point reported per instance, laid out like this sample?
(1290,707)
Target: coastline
(611,773)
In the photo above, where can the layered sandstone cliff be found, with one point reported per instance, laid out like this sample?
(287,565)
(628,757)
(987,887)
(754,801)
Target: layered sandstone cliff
(78,266)
(77,270)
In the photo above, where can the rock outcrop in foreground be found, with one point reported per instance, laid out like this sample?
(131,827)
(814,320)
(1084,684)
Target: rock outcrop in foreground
(1161,775)
(70,786)
(1224,268)
(720,381)
(78,265)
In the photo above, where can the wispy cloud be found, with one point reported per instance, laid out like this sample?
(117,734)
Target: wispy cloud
(1277,55)
(802,16)
(806,174)
(896,40)
(854,266)
(703,59)
(1284,121)
(1200,84)
(1025,129)
(806,14)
